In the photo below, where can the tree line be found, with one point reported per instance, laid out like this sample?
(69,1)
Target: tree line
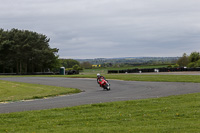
(191,61)
(23,51)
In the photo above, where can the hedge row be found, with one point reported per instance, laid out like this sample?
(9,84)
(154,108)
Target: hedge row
(146,70)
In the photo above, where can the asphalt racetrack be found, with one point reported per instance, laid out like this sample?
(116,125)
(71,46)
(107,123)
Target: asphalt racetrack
(92,93)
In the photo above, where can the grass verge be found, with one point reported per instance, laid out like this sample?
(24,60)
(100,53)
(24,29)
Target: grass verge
(105,70)
(132,77)
(168,114)
(14,91)
(156,78)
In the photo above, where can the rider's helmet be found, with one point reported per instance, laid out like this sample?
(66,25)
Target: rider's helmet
(98,75)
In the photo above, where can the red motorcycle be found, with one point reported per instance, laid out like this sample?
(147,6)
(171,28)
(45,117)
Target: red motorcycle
(104,84)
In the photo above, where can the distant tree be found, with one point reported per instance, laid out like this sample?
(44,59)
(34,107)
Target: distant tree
(107,65)
(169,66)
(77,67)
(191,64)
(86,65)
(197,63)
(194,56)
(190,61)
(69,63)
(183,61)
(194,59)
(176,66)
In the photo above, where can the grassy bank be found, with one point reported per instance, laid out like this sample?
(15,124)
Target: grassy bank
(154,78)
(133,77)
(105,70)
(14,91)
(169,114)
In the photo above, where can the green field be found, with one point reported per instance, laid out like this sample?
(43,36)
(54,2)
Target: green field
(134,77)
(105,70)
(169,114)
(14,91)
(162,115)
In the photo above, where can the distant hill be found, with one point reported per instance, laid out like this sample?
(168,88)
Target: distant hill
(131,60)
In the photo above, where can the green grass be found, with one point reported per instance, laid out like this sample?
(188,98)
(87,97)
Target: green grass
(14,91)
(105,70)
(153,78)
(169,114)
(156,78)
(134,77)
(162,115)
(137,77)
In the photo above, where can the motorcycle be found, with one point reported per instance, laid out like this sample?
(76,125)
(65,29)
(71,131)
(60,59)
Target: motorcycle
(104,84)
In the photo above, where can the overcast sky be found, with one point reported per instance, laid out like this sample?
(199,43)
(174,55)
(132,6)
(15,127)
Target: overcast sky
(109,28)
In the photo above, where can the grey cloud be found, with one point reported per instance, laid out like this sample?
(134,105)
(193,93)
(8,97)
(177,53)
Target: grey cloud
(114,28)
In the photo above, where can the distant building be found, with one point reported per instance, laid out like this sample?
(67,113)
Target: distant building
(96,66)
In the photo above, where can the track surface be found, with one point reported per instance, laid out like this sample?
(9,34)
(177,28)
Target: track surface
(92,93)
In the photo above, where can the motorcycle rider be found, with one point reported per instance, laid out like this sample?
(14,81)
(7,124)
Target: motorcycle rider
(99,77)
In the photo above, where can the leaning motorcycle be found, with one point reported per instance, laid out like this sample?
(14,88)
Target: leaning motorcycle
(104,84)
